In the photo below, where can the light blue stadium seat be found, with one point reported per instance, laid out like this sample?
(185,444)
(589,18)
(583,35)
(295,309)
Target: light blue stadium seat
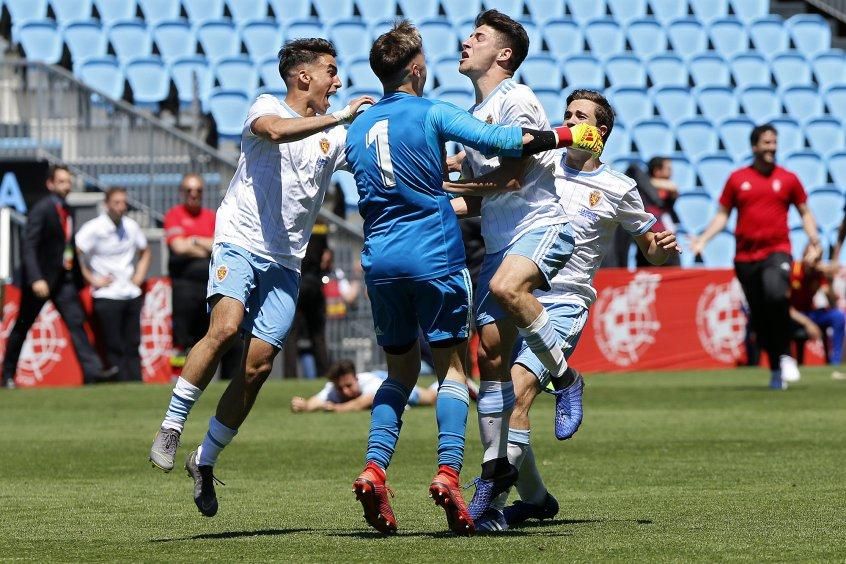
(237,73)
(631,104)
(798,242)
(25,11)
(709,69)
(713,171)
(328,10)
(85,39)
(287,10)
(802,102)
(41,41)
(760,103)
(553,104)
(229,110)
(769,35)
(674,103)
(201,11)
(243,10)
(719,252)
(564,37)
(625,70)
(263,38)
(697,138)
(826,204)
(830,68)
(149,80)
(619,144)
(734,133)
(380,27)
(537,71)
(729,37)
(377,9)
(717,102)
(361,75)
(790,136)
(695,210)
(269,73)
(604,37)
(688,37)
(625,11)
(794,219)
(684,174)
(584,11)
(130,39)
(667,70)
(811,33)
(67,11)
(835,99)
(156,11)
(112,11)
(461,97)
(544,10)
(513,8)
(104,74)
(583,71)
(646,37)
(460,10)
(808,166)
(825,135)
(418,10)
(837,168)
(219,39)
(748,10)
(184,71)
(707,10)
(278,93)
(174,39)
(653,137)
(299,29)
(666,10)
(791,69)
(439,39)
(750,69)
(351,93)
(347,35)
(535,33)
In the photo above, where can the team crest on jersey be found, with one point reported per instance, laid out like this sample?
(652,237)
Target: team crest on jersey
(324,146)
(221,272)
(776,186)
(594,198)
(489,119)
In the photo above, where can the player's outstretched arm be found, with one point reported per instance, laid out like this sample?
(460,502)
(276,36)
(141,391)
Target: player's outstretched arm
(657,247)
(286,130)
(505,178)
(307,405)
(697,244)
(361,403)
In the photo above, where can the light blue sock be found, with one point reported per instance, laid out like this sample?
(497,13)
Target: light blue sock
(216,439)
(182,400)
(386,421)
(451,411)
(543,340)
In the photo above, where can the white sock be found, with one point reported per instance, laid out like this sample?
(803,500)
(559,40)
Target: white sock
(185,394)
(542,339)
(518,445)
(496,400)
(216,439)
(530,485)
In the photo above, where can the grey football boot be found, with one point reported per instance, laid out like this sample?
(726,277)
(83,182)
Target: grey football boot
(163,450)
(203,476)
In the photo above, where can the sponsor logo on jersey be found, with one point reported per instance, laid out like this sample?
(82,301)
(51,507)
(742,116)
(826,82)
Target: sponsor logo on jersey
(584,212)
(221,272)
(594,198)
(324,145)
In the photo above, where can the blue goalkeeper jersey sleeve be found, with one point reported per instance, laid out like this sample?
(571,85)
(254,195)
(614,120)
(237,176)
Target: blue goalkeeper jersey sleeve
(395,150)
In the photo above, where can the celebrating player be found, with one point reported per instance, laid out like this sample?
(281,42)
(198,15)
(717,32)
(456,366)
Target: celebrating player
(413,258)
(263,226)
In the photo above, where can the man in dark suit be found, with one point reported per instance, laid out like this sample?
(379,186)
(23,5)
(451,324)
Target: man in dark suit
(51,272)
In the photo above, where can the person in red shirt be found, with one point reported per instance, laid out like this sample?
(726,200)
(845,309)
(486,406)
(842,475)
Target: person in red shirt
(762,194)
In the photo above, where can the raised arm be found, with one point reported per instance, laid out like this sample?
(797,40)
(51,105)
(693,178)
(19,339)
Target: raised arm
(285,130)
(505,178)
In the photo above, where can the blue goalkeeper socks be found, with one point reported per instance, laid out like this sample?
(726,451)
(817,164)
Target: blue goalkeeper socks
(451,411)
(386,421)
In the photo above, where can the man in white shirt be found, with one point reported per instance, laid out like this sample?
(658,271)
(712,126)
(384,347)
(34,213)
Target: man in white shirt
(289,150)
(114,261)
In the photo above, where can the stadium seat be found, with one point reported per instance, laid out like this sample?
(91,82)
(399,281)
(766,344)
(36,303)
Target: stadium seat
(149,80)
(377,9)
(584,11)
(355,93)
(535,33)
(791,69)
(130,40)
(545,10)
(446,73)
(748,10)
(263,38)
(513,8)
(619,144)
(299,29)
(719,252)
(713,171)
(674,103)
(811,33)
(653,137)
(563,37)
(604,37)
(464,29)
(694,210)
(418,10)
(287,10)
(769,35)
(347,36)
(361,75)
(184,71)
(646,37)
(798,242)
(553,104)
(717,103)
(112,11)
(67,11)
(175,39)
(667,10)
(684,174)
(697,137)
(837,168)
(826,204)
(461,97)
(734,132)
(802,102)
(667,70)
(808,166)
(328,10)
(625,70)
(156,11)
(583,71)
(760,103)
(439,39)
(830,68)
(85,39)
(201,11)
(709,70)
(243,10)
(25,11)
(728,35)
(750,69)
(268,70)
(688,37)
(790,137)
(460,10)
(707,10)
(794,219)
(631,104)
(41,41)
(237,73)
(835,99)
(825,135)
(219,39)
(229,110)
(537,71)
(625,11)
(104,74)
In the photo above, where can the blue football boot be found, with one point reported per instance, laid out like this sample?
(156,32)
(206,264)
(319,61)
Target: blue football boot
(488,489)
(492,521)
(568,408)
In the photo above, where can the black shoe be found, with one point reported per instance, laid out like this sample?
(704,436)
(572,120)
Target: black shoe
(204,494)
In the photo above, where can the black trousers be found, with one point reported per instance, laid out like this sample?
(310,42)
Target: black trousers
(120,322)
(766,284)
(65,298)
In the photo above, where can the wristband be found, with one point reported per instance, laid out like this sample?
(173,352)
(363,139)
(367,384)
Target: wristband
(344,115)
(563,136)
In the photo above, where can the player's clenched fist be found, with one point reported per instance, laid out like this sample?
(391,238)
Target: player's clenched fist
(587,137)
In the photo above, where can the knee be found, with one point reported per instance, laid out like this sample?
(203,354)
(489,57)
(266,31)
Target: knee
(256,373)
(505,292)
(223,333)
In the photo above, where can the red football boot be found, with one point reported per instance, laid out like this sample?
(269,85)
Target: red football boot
(371,491)
(446,492)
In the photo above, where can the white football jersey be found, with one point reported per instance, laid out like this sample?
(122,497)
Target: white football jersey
(273,199)
(368,383)
(596,202)
(505,217)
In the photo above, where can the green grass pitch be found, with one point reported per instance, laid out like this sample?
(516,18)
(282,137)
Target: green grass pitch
(707,466)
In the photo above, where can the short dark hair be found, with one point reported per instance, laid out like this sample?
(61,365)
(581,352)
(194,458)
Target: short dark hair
(54,168)
(302,51)
(114,190)
(511,35)
(655,163)
(393,50)
(339,369)
(755,136)
(604,111)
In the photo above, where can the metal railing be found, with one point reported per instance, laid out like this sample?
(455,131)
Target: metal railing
(835,8)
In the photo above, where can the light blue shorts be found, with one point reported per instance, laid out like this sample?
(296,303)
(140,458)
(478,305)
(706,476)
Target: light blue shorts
(569,321)
(548,247)
(267,290)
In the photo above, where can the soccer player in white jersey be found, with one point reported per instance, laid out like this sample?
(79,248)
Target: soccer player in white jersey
(289,151)
(526,237)
(596,199)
